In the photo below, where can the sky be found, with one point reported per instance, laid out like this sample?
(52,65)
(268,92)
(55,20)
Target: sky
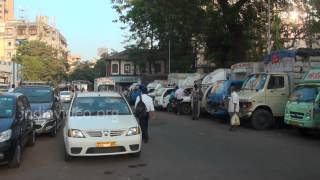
(86,24)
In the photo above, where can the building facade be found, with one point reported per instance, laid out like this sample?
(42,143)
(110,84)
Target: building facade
(126,71)
(6,10)
(73,61)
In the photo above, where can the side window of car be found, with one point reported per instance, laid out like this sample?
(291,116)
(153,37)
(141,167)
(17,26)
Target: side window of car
(276,82)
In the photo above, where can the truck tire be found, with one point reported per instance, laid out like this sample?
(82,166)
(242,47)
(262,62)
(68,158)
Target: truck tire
(261,119)
(185,108)
(54,131)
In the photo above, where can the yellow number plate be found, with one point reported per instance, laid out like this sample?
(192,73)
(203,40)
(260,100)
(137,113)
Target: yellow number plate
(106,144)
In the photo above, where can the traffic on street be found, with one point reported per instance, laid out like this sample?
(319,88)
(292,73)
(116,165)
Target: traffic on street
(159,90)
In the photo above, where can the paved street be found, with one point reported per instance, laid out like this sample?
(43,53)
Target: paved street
(183,149)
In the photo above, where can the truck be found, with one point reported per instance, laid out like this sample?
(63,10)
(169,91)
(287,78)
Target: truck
(104,84)
(264,96)
(303,107)
(208,82)
(217,101)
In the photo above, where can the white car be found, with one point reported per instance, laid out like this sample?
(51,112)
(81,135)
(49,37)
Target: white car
(101,123)
(65,96)
(161,96)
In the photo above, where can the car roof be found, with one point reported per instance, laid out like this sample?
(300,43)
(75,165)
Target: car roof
(99,94)
(15,95)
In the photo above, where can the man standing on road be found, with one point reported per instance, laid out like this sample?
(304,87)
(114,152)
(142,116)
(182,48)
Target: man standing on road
(233,105)
(144,111)
(195,99)
(179,96)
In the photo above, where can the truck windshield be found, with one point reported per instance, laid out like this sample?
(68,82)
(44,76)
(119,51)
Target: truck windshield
(255,82)
(6,107)
(304,94)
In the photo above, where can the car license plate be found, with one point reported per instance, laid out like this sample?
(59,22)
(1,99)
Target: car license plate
(294,123)
(106,144)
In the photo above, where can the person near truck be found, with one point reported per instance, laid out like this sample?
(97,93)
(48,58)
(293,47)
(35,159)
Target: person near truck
(144,107)
(195,99)
(179,96)
(233,105)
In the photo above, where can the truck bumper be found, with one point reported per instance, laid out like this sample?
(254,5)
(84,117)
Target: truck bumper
(245,114)
(302,124)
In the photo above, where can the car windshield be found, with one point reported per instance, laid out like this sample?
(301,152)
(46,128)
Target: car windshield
(304,94)
(99,106)
(6,107)
(218,87)
(37,94)
(255,82)
(65,93)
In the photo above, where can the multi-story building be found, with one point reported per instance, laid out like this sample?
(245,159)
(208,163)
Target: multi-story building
(73,61)
(12,33)
(6,10)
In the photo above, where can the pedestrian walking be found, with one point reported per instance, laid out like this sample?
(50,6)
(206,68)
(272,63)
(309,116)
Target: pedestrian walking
(234,108)
(144,110)
(196,99)
(179,96)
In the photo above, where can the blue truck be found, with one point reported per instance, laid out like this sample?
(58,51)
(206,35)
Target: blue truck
(217,100)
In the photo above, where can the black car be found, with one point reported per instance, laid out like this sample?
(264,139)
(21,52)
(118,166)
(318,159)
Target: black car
(16,128)
(46,107)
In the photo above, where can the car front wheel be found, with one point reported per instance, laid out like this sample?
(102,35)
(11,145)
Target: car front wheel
(32,139)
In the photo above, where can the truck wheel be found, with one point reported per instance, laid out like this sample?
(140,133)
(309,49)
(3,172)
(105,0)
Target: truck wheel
(261,119)
(185,108)
(16,160)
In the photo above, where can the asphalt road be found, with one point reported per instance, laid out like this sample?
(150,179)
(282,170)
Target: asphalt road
(183,149)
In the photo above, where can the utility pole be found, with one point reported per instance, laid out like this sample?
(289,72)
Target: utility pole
(169,56)
(269,27)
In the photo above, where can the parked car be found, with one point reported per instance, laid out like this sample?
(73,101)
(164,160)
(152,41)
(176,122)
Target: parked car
(65,96)
(16,128)
(161,99)
(46,107)
(101,123)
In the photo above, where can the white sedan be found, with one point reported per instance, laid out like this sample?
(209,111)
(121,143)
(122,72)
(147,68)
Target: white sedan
(161,99)
(101,123)
(65,96)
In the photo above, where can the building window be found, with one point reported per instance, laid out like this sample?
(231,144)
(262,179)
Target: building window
(157,67)
(143,68)
(127,68)
(9,43)
(33,31)
(21,31)
(9,54)
(115,69)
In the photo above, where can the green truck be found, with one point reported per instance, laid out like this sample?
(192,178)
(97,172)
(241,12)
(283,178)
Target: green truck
(303,106)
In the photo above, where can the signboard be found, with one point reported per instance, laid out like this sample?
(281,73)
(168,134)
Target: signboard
(313,75)
(241,65)
(126,79)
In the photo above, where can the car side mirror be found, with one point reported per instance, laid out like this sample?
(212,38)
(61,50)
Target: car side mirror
(56,98)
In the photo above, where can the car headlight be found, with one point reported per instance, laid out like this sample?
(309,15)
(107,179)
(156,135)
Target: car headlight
(133,131)
(5,135)
(75,133)
(47,115)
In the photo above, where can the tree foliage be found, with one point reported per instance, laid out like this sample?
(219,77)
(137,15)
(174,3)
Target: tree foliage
(232,31)
(40,62)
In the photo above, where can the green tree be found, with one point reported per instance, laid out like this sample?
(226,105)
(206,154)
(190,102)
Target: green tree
(40,62)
